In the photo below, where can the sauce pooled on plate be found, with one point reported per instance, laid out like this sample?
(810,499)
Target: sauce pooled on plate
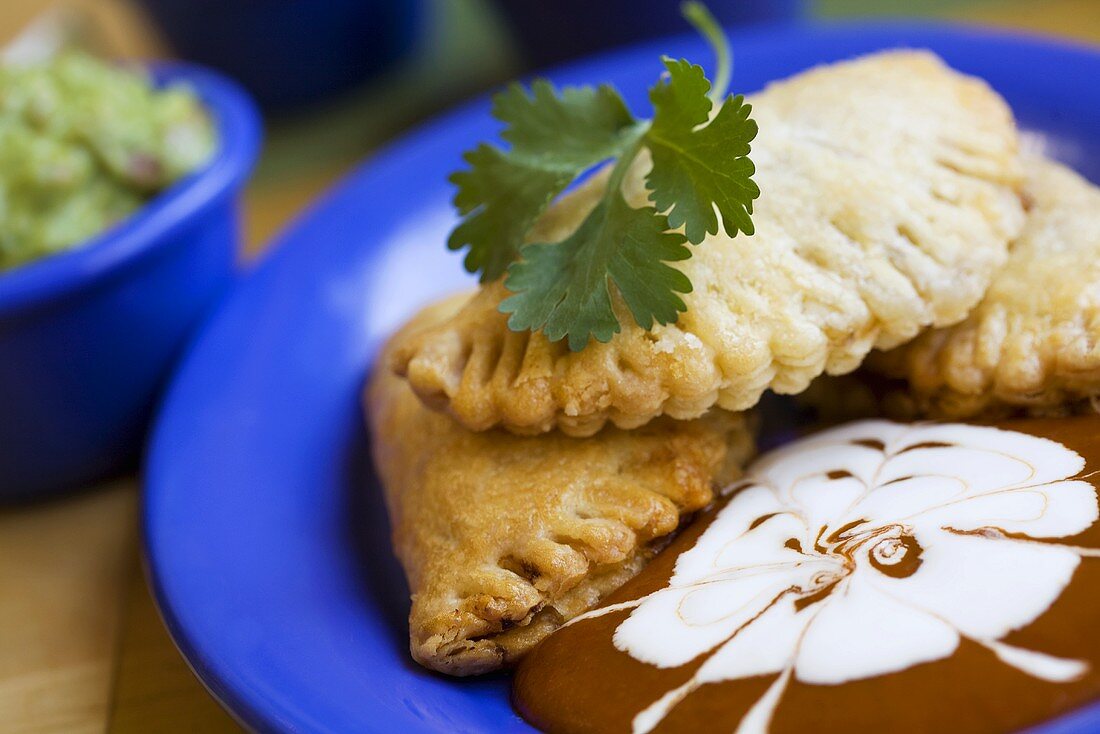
(874,577)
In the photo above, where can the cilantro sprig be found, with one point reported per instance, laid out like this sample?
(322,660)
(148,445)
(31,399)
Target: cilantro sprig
(701,178)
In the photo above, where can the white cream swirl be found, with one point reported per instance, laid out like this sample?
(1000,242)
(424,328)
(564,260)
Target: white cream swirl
(866,550)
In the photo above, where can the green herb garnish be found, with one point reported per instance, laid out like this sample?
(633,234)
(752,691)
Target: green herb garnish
(701,174)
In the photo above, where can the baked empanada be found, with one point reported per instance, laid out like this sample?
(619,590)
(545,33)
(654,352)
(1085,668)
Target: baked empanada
(503,537)
(1034,340)
(890,193)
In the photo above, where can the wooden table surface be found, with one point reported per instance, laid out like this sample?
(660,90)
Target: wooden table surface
(82,648)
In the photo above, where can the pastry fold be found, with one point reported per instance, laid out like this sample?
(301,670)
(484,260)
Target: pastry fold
(1033,343)
(503,538)
(889,196)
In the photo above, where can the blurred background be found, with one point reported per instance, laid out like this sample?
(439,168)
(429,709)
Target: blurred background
(81,646)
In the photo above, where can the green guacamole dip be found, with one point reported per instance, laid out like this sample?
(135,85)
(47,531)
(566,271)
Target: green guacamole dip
(83,144)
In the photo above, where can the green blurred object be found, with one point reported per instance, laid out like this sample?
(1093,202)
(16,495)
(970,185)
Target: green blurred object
(465,49)
(83,144)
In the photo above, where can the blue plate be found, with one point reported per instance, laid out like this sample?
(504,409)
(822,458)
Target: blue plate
(266,538)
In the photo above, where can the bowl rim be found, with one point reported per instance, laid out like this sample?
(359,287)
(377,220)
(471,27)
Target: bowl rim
(148,230)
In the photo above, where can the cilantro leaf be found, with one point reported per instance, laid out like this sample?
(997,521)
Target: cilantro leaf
(564,288)
(571,129)
(554,138)
(701,174)
(696,169)
(500,197)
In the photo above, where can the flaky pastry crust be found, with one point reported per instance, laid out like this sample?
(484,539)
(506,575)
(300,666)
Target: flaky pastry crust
(889,194)
(503,537)
(1033,343)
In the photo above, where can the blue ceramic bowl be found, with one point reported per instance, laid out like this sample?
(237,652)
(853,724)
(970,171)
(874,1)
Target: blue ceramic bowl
(290,53)
(87,337)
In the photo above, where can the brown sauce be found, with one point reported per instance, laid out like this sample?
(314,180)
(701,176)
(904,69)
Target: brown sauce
(579,680)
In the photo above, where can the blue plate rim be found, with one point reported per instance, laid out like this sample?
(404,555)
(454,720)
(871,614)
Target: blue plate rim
(252,713)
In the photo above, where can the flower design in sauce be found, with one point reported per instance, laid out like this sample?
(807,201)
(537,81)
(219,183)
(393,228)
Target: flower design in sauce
(866,550)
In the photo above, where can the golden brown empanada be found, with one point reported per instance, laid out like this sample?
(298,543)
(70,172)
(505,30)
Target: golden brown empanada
(504,537)
(1034,341)
(889,196)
